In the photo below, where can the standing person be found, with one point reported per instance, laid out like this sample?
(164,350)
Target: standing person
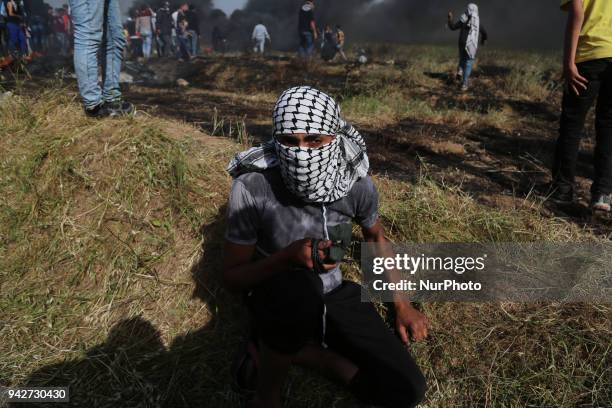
(145,29)
(15,24)
(307,29)
(328,48)
(218,40)
(588,75)
(156,38)
(259,37)
(3,33)
(472,33)
(164,29)
(184,40)
(37,30)
(194,30)
(48,31)
(93,21)
(60,31)
(291,200)
(340,41)
(177,16)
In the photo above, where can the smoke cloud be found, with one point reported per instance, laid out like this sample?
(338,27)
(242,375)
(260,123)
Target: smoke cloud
(518,24)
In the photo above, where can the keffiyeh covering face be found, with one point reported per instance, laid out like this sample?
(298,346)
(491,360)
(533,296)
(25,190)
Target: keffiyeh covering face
(321,175)
(472,19)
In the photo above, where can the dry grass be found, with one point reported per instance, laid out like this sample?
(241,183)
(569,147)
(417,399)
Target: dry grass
(110,239)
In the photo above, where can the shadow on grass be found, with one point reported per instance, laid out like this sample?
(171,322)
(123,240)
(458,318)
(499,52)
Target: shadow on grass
(133,367)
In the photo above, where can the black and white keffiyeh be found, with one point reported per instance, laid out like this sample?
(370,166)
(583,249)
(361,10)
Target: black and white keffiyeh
(472,19)
(320,175)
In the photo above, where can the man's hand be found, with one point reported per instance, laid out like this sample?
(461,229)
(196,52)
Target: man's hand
(574,80)
(300,253)
(410,323)
(450,16)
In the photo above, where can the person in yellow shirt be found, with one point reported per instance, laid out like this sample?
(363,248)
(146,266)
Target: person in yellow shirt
(587,68)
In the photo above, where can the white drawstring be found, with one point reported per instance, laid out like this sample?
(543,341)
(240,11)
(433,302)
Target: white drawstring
(324,209)
(325,222)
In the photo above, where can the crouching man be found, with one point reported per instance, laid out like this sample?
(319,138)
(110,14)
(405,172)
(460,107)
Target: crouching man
(290,217)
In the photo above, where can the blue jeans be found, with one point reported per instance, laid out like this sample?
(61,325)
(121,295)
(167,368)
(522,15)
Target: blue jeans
(92,20)
(147,41)
(194,43)
(466,63)
(17,38)
(37,31)
(306,44)
(63,43)
(183,48)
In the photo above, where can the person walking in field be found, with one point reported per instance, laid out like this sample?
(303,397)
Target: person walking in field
(471,35)
(588,74)
(290,214)
(259,37)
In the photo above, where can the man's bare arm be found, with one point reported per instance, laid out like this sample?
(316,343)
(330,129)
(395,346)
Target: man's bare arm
(410,323)
(575,19)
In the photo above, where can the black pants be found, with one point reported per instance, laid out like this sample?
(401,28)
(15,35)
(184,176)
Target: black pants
(166,45)
(575,109)
(288,314)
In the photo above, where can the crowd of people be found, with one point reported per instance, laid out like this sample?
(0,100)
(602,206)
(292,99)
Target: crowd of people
(332,40)
(24,32)
(165,32)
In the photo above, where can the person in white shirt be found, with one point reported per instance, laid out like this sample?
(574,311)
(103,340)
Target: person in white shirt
(260,35)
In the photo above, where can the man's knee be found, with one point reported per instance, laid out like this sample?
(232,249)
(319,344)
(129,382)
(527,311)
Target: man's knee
(390,389)
(408,390)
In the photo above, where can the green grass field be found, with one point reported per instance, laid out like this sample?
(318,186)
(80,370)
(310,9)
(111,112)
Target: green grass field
(111,238)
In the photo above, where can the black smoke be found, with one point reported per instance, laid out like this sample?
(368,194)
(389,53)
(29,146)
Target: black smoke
(522,24)
(518,24)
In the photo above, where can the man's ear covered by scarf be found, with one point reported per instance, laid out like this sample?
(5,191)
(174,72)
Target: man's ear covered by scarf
(321,175)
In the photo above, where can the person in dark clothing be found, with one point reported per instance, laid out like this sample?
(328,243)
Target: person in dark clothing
(164,29)
(289,203)
(329,48)
(471,35)
(588,74)
(37,31)
(218,40)
(3,35)
(194,29)
(307,29)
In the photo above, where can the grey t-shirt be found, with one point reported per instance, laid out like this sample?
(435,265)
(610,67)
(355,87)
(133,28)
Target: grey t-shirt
(262,212)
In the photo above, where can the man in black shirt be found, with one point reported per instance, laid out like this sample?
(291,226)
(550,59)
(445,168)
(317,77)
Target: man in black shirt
(307,29)
(194,29)
(164,29)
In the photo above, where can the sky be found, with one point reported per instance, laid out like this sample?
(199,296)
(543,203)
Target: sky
(229,5)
